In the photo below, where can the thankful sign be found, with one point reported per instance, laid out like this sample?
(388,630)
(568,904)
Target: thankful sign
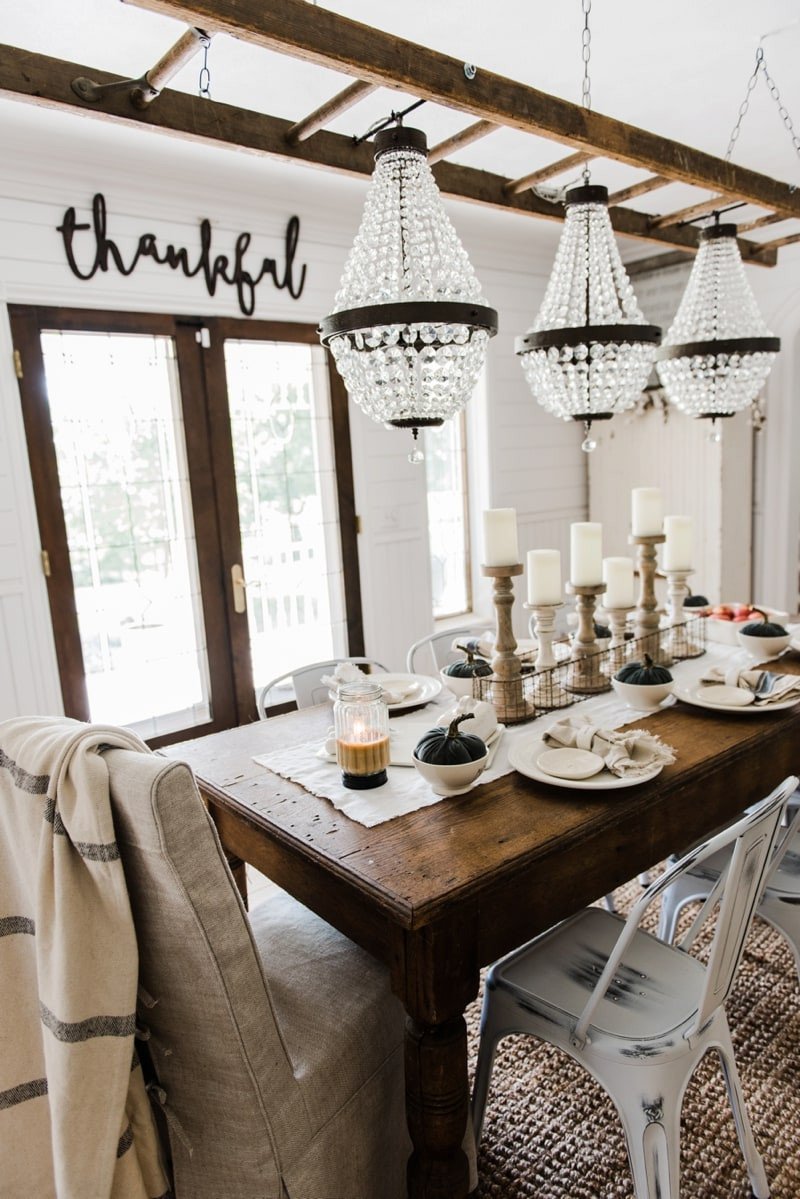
(89,249)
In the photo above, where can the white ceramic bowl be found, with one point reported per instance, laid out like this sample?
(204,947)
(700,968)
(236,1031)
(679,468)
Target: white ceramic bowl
(457,684)
(645,697)
(451,780)
(761,648)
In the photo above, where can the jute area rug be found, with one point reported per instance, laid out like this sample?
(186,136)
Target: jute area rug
(552,1133)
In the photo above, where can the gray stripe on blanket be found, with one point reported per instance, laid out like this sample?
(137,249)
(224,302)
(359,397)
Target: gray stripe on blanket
(9,925)
(85,1030)
(92,851)
(22,1092)
(35,784)
(125,1141)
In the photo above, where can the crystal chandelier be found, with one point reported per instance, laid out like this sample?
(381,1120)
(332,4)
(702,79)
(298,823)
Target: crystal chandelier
(409,329)
(589,352)
(718,351)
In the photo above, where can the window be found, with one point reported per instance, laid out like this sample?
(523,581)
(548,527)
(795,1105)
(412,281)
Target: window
(448,519)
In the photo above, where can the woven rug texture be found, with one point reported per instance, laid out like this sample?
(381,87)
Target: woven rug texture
(551,1132)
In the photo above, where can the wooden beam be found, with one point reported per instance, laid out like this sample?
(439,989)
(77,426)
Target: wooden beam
(515,186)
(656,262)
(694,210)
(790,240)
(639,189)
(466,137)
(323,115)
(38,79)
(329,40)
(772,218)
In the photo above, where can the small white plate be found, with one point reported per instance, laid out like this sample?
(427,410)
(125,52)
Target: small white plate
(568,763)
(697,695)
(525,753)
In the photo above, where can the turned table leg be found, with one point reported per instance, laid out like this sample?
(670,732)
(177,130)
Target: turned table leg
(437,1107)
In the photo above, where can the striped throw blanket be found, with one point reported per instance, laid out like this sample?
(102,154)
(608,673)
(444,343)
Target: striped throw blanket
(75,1121)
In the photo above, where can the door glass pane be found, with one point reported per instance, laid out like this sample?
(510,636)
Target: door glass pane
(118,431)
(448,529)
(285,480)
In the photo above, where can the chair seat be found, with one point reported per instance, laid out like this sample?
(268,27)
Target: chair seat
(656,990)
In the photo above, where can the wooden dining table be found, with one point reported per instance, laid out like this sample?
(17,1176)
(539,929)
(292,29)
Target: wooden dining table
(439,893)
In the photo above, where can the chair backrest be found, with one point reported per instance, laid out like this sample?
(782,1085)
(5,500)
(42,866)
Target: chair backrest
(431,653)
(737,891)
(204,1000)
(307,683)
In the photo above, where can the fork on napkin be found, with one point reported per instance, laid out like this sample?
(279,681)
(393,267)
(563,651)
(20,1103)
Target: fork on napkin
(627,753)
(784,687)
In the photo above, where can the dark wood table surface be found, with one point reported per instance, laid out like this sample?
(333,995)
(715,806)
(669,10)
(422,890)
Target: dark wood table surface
(441,892)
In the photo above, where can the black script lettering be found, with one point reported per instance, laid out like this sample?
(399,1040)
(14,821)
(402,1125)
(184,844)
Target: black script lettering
(213,269)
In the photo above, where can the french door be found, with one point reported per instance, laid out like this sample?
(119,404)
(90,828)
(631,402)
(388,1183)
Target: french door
(193,487)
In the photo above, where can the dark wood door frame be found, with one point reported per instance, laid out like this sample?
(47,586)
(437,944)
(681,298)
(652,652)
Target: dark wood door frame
(203,389)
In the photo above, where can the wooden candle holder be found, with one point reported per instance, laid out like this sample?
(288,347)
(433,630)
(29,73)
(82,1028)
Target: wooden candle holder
(647,619)
(618,620)
(506,692)
(585,675)
(547,691)
(679,644)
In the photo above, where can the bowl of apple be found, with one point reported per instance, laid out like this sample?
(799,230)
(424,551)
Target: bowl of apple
(724,621)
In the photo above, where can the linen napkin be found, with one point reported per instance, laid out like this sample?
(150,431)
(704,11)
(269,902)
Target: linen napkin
(787,686)
(393,693)
(484,646)
(626,753)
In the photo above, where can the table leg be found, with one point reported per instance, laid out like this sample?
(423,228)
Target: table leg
(437,1107)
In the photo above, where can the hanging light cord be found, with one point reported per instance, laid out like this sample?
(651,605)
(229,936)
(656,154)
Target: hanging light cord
(204,82)
(393,118)
(586,54)
(761,67)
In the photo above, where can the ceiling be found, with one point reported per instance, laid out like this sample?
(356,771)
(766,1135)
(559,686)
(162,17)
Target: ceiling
(678,69)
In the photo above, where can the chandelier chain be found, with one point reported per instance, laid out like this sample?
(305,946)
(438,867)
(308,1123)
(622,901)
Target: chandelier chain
(204,82)
(586,52)
(761,67)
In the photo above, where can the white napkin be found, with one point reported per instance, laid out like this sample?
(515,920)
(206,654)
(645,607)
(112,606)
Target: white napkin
(345,672)
(397,691)
(484,717)
(786,687)
(484,646)
(626,754)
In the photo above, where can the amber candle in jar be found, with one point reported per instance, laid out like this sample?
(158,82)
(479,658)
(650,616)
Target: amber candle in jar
(361,722)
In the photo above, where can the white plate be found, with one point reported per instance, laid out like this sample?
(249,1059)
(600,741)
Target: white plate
(695,695)
(525,753)
(426,688)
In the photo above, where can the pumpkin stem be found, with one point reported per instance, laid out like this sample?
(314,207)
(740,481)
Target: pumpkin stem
(648,661)
(760,613)
(471,653)
(453,730)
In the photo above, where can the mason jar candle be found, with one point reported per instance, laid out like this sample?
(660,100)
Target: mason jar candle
(361,730)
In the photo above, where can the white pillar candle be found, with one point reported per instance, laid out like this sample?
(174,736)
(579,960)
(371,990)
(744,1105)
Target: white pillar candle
(647,512)
(544,577)
(678,548)
(500,546)
(586,554)
(618,578)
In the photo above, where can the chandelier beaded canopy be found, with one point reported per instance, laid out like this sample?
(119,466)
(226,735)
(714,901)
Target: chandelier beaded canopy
(590,350)
(718,351)
(410,327)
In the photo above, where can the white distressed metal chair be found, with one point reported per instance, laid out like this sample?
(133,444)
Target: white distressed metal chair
(308,689)
(431,653)
(780,902)
(637,1013)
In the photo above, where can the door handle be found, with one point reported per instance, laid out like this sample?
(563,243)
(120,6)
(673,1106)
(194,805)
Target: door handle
(238,583)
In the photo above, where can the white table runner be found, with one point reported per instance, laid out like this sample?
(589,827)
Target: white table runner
(406,791)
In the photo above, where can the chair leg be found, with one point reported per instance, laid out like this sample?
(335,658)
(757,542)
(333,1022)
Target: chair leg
(744,1131)
(652,1138)
(483,1073)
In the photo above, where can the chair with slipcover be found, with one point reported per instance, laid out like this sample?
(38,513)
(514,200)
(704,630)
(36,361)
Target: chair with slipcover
(637,1013)
(307,683)
(434,651)
(276,1044)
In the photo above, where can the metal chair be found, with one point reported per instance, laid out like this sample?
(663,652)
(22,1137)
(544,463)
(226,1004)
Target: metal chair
(436,649)
(637,1013)
(779,904)
(307,684)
